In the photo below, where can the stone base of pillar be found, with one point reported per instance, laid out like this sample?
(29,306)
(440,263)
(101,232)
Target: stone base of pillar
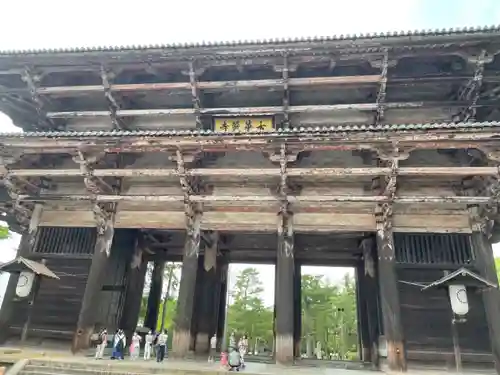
(180,343)
(202,343)
(284,349)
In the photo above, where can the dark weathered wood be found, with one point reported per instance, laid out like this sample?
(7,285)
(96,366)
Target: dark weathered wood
(31,303)
(187,287)
(389,296)
(222,305)
(155,292)
(430,172)
(284,309)
(87,317)
(257,198)
(485,264)
(297,309)
(135,279)
(362,297)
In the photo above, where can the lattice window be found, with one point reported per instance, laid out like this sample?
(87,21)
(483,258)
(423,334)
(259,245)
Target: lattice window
(435,248)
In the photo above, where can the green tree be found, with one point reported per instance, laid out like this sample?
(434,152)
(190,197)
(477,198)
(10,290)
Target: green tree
(247,313)
(329,316)
(4,232)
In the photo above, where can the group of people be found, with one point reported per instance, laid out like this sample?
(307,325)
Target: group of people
(236,357)
(157,340)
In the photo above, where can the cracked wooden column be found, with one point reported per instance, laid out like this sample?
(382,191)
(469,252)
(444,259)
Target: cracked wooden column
(207,311)
(136,275)
(87,317)
(285,270)
(187,287)
(483,228)
(104,215)
(388,279)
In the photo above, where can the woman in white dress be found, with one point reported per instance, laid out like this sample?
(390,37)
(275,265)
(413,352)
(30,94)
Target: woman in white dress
(135,346)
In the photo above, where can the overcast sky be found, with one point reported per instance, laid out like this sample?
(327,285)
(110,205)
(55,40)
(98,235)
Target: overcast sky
(29,24)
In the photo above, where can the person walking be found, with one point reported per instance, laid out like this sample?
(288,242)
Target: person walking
(148,343)
(119,345)
(102,343)
(213,348)
(161,346)
(135,346)
(242,348)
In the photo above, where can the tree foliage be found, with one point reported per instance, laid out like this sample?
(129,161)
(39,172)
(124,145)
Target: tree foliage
(329,317)
(246,311)
(4,232)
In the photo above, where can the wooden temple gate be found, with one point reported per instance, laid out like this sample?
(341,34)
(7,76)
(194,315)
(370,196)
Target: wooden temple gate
(380,153)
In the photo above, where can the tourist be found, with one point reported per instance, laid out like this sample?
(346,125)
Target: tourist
(101,343)
(161,346)
(232,340)
(213,348)
(243,347)
(135,346)
(234,359)
(119,345)
(148,343)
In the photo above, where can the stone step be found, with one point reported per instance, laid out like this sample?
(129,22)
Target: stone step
(89,367)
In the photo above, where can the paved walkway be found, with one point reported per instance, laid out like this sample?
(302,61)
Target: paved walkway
(170,366)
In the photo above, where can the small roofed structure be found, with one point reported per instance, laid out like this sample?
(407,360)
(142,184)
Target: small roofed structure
(462,276)
(21,264)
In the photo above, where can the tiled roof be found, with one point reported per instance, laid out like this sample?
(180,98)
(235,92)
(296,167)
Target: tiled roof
(277,132)
(243,43)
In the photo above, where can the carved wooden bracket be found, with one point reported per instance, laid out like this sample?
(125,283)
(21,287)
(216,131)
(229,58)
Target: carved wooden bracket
(395,152)
(491,152)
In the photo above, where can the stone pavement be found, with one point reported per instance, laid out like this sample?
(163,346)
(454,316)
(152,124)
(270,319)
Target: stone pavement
(58,362)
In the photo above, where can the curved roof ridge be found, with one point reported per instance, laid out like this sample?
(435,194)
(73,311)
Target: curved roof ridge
(277,132)
(338,37)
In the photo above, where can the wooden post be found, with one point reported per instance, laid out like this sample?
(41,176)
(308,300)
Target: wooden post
(136,275)
(285,270)
(485,264)
(87,317)
(154,299)
(297,309)
(221,314)
(187,287)
(388,280)
(362,310)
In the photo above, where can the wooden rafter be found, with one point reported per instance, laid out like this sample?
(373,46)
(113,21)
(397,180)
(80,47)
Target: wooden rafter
(380,111)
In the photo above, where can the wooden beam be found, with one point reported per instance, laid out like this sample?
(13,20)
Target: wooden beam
(239,111)
(195,95)
(256,198)
(423,172)
(113,105)
(214,85)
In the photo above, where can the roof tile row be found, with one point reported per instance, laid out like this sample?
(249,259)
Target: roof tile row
(278,132)
(367,36)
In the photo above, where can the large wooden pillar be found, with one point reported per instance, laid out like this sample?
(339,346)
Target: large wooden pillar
(187,289)
(154,298)
(285,314)
(136,275)
(368,314)
(102,251)
(297,309)
(207,303)
(388,280)
(222,302)
(485,264)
